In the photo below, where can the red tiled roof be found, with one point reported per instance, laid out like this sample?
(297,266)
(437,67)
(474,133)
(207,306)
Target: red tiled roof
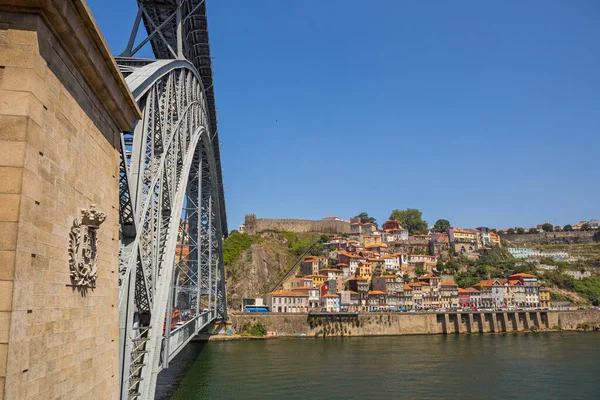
(287,293)
(521,275)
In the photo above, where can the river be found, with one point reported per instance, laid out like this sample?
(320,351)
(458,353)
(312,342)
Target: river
(562,365)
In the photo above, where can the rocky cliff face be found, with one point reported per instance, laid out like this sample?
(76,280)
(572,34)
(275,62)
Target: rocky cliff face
(261,266)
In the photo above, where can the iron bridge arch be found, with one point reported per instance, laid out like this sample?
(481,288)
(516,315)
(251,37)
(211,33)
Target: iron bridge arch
(171,278)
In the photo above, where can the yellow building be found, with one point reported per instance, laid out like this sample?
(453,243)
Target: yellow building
(371,239)
(544,296)
(495,238)
(462,235)
(317,279)
(364,270)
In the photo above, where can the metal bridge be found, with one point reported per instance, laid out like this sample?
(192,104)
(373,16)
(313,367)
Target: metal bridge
(172,215)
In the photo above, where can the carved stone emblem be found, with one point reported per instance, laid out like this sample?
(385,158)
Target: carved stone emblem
(82,247)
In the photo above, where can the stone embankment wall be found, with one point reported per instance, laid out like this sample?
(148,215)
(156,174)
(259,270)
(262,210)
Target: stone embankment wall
(549,238)
(375,324)
(254,225)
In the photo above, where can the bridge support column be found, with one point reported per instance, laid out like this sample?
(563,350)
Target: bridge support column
(64,105)
(494,322)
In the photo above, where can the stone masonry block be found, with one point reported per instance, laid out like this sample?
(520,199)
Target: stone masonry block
(3,358)
(7,265)
(12,154)
(22,37)
(9,207)
(8,235)
(12,55)
(4,326)
(31,185)
(23,298)
(14,103)
(6,294)
(13,127)
(11,179)
(24,79)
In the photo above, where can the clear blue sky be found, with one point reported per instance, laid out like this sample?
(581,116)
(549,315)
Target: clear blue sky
(483,113)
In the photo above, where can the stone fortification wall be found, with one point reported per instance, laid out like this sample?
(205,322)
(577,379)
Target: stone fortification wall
(549,238)
(376,324)
(254,225)
(63,105)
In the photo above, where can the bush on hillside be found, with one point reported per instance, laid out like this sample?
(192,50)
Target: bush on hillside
(235,243)
(589,288)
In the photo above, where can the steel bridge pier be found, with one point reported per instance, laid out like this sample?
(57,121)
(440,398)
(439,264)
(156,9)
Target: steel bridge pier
(172,209)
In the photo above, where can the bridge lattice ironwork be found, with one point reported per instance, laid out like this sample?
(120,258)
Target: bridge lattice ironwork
(172,216)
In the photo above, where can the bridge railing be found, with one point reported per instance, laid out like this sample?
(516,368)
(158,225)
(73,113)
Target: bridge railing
(182,335)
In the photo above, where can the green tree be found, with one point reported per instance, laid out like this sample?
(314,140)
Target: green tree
(440,266)
(568,228)
(510,231)
(597,235)
(586,227)
(547,227)
(557,228)
(365,218)
(441,225)
(465,279)
(411,219)
(452,266)
(520,230)
(420,271)
(533,230)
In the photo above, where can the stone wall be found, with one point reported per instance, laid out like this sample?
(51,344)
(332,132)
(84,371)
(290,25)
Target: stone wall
(62,108)
(254,225)
(375,324)
(549,238)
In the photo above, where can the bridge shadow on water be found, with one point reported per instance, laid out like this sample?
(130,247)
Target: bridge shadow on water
(170,378)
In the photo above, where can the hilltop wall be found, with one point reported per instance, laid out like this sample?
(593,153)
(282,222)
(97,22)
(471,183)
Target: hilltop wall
(254,225)
(549,238)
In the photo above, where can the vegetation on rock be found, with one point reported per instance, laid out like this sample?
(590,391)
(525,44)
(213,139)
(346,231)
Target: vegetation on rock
(235,243)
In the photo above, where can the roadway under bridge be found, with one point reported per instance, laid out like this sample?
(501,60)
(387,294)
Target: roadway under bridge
(172,209)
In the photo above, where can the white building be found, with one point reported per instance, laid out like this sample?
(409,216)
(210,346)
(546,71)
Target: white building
(287,301)
(313,293)
(579,274)
(331,302)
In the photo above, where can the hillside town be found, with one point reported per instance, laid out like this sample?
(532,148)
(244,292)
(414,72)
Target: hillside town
(361,273)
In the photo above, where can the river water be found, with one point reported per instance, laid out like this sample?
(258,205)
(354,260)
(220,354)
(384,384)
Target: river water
(504,366)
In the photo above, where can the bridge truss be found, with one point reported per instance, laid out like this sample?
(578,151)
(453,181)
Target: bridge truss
(172,209)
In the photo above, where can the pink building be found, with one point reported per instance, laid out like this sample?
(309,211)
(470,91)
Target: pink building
(464,297)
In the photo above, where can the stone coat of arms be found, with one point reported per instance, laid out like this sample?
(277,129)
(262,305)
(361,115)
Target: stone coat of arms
(82,247)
